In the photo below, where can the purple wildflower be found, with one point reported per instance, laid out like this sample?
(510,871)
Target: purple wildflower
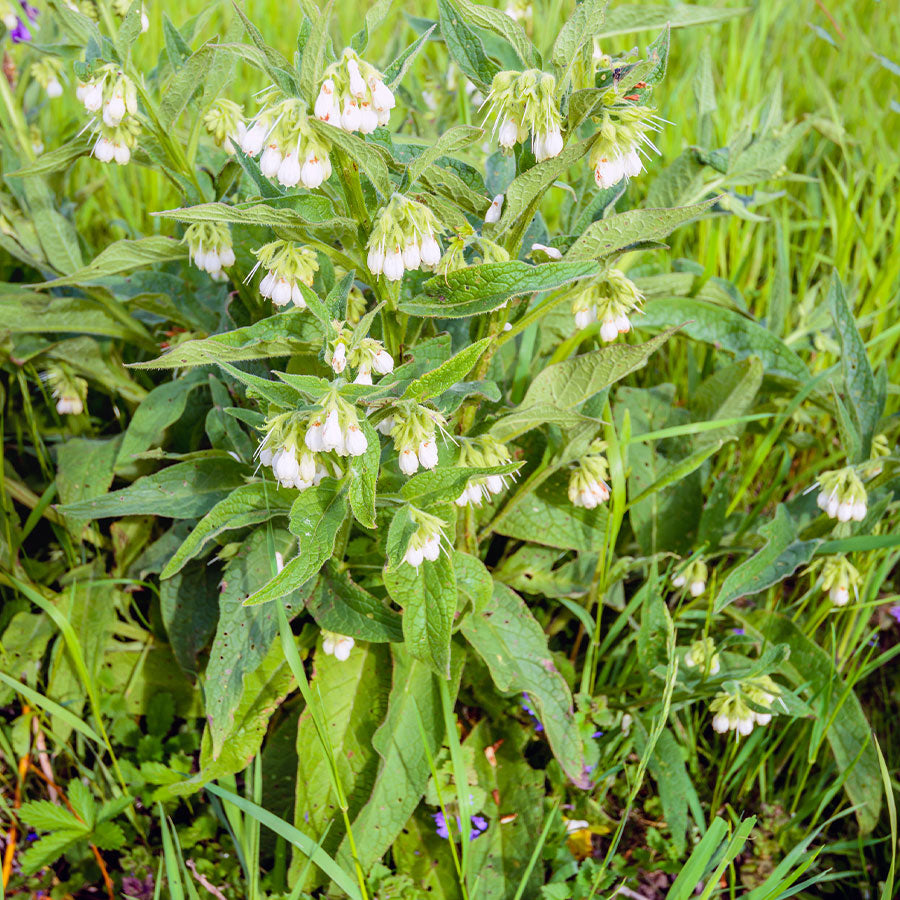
(895,612)
(597,734)
(30,11)
(737,630)
(20,34)
(139,888)
(479,825)
(530,711)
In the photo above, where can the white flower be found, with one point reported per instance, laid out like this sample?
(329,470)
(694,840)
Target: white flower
(312,174)
(573,825)
(609,172)
(297,296)
(356,441)
(145,22)
(289,170)
(552,252)
(281,292)
(548,145)
(494,483)
(54,88)
(270,161)
(509,133)
(337,645)
(382,97)
(431,549)
(114,111)
(632,165)
(585,317)
(697,588)
(745,726)
(93,97)
(266,456)
(104,150)
(314,439)
(332,435)
(393,265)
(339,358)
(414,556)
(285,466)
(121,154)
(363,376)
(409,461)
(428,454)
(720,724)
(252,141)
(494,210)
(357,82)
(384,427)
(839,595)
(430,250)
(69,406)
(325,108)
(307,471)
(368,118)
(375,260)
(411,256)
(383,363)
(350,115)
(609,331)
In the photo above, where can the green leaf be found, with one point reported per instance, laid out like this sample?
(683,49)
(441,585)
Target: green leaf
(781,556)
(580,28)
(353,695)
(46,816)
(56,233)
(727,394)
(456,138)
(47,850)
(859,379)
(448,373)
(522,420)
(848,732)
(280,335)
(362,152)
(186,490)
(56,160)
(504,26)
(249,504)
(413,730)
(305,210)
(244,634)
(473,582)
(363,475)
(628,19)
(189,609)
(727,330)
(339,604)
(514,646)
(85,467)
(400,66)
(313,59)
(445,483)
(482,288)
(316,517)
(607,236)
(465,47)
(427,595)
(33,313)
(568,383)
(108,836)
(184,85)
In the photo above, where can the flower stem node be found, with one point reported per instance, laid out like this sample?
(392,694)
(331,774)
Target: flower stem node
(842,495)
(476,453)
(353,95)
(524,103)
(210,247)
(288,265)
(426,541)
(403,238)
(611,299)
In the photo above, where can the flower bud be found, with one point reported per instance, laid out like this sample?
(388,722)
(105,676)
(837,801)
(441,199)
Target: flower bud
(393,265)
(494,210)
(428,454)
(383,363)
(270,161)
(339,358)
(289,170)
(409,461)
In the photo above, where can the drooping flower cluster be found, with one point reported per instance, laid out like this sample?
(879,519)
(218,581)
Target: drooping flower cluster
(366,355)
(47,72)
(694,575)
(733,712)
(337,645)
(224,121)
(112,97)
(842,495)
(353,95)
(839,576)
(294,153)
(477,452)
(287,265)
(587,483)
(623,137)
(523,103)
(68,390)
(610,299)
(293,465)
(425,542)
(466,246)
(703,656)
(336,429)
(404,237)
(414,430)
(210,247)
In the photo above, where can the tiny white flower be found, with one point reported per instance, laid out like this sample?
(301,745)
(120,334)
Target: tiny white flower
(355,440)
(121,154)
(281,292)
(393,265)
(339,358)
(609,172)
(697,588)
(285,466)
(383,363)
(289,170)
(363,376)
(409,461)
(494,483)
(494,210)
(382,96)
(307,470)
(430,250)
(337,645)
(270,161)
(585,317)
(114,110)
(93,97)
(357,83)
(325,108)
(350,115)
(414,556)
(745,726)
(313,437)
(552,252)
(509,134)
(428,454)
(375,260)
(312,173)
(265,456)
(104,150)
(609,331)
(253,139)
(411,256)
(431,549)
(839,595)
(368,118)
(632,165)
(54,88)
(332,435)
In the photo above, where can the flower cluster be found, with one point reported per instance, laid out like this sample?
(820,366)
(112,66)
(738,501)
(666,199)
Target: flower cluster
(414,430)
(880,449)
(610,300)
(287,265)
(112,97)
(425,542)
(842,495)
(292,464)
(587,483)
(47,72)
(523,103)
(353,95)
(403,238)
(839,575)
(734,712)
(703,656)
(224,121)
(694,575)
(476,453)
(11,16)
(336,429)
(210,247)
(337,645)
(69,391)
(294,153)
(366,356)
(623,137)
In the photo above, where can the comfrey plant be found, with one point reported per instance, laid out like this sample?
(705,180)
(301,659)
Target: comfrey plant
(412,432)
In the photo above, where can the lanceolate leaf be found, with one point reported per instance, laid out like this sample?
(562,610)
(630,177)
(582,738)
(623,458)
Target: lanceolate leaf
(514,646)
(781,556)
(363,473)
(317,514)
(445,483)
(447,373)
(608,236)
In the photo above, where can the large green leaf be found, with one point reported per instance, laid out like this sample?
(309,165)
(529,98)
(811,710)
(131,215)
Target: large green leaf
(514,646)
(427,595)
(479,289)
(33,313)
(465,46)
(568,383)
(183,491)
(727,394)
(447,374)
(317,514)
(363,475)
(189,607)
(848,733)
(305,210)
(628,19)
(781,556)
